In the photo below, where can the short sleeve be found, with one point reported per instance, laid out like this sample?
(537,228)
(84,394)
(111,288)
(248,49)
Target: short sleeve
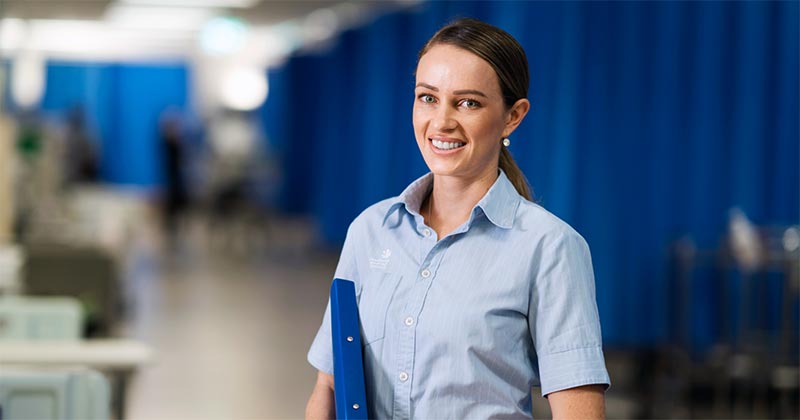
(563,317)
(320,355)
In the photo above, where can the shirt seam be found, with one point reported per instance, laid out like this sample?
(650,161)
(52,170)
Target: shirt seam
(569,349)
(594,380)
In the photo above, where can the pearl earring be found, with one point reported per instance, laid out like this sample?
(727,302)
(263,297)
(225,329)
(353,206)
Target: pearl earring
(506,142)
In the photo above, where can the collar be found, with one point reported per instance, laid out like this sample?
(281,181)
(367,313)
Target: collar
(499,204)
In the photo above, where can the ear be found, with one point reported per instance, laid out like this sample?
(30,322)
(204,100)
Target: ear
(515,115)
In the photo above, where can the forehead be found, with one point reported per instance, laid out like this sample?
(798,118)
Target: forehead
(452,68)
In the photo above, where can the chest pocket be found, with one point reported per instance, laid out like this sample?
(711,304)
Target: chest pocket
(373,304)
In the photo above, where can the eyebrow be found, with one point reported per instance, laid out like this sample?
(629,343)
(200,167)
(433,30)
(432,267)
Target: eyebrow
(455,92)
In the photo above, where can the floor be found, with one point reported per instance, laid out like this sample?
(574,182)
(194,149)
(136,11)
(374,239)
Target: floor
(230,324)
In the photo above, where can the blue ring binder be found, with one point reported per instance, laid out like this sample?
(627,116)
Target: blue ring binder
(348,362)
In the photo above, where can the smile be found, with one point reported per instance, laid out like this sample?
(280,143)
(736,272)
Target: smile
(446,145)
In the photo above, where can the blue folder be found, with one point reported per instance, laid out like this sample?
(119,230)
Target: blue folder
(348,363)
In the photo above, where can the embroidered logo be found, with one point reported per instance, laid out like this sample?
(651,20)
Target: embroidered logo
(382,262)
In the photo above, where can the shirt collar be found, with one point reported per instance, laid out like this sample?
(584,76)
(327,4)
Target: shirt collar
(412,197)
(499,204)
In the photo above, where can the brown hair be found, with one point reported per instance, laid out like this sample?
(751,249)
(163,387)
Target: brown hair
(508,60)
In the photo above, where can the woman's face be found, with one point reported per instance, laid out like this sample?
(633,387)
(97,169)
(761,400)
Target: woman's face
(459,114)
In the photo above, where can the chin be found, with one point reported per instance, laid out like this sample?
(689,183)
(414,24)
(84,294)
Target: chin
(443,170)
(436,165)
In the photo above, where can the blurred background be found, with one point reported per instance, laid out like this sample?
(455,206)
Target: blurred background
(177,178)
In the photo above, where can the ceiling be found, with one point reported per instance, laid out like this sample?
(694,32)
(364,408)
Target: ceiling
(256,12)
(157,29)
(44,9)
(223,40)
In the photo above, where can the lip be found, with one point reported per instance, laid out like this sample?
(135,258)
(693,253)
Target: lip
(446,139)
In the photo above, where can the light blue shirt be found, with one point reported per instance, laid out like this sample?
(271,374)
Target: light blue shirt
(463,327)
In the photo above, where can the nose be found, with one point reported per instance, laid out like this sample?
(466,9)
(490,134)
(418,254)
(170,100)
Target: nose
(444,119)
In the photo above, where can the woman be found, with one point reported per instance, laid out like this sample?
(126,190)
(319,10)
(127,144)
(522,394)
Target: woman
(469,293)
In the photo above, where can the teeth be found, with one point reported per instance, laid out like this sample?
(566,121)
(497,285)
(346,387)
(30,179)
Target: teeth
(446,145)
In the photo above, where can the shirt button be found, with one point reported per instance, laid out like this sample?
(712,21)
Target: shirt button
(409,321)
(425,273)
(403,376)
(426,232)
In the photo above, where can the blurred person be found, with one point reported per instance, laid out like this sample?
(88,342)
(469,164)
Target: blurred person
(234,161)
(80,160)
(34,172)
(233,140)
(175,192)
(469,293)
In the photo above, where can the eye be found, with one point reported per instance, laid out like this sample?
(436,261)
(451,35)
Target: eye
(428,99)
(470,103)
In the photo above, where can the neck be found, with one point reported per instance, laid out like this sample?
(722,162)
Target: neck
(453,198)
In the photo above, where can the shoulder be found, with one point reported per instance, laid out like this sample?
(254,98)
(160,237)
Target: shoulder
(545,226)
(372,217)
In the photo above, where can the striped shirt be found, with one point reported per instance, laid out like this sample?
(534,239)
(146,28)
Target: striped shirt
(463,326)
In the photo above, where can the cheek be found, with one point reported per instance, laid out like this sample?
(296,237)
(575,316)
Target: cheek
(479,127)
(490,127)
(418,120)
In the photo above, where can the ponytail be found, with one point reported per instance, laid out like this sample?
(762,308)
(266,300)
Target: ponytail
(514,174)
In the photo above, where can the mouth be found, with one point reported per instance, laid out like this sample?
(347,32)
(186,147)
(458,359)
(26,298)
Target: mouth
(446,144)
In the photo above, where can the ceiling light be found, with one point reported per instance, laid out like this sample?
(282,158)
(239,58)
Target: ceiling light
(244,88)
(95,40)
(223,35)
(320,25)
(13,33)
(161,18)
(224,4)
(27,79)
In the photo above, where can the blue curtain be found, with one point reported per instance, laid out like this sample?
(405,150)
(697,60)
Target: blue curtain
(649,120)
(122,103)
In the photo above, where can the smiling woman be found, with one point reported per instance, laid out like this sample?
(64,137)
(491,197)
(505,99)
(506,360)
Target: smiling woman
(501,58)
(460,117)
(482,293)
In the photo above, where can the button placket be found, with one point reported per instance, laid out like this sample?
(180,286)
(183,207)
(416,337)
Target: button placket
(402,397)
(430,255)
